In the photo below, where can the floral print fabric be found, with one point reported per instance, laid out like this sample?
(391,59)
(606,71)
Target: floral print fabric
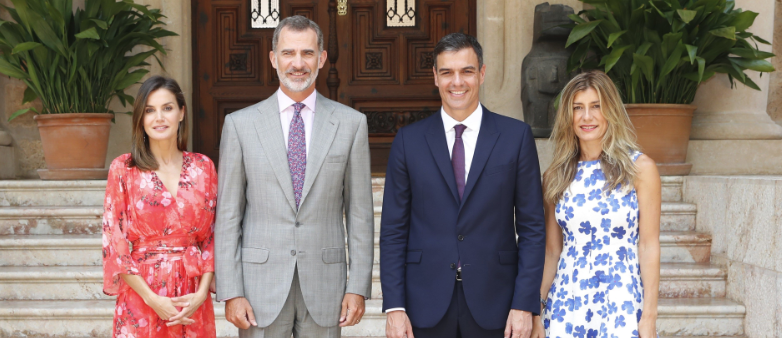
(597,291)
(167,241)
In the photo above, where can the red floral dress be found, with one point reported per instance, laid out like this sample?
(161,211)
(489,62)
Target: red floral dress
(167,241)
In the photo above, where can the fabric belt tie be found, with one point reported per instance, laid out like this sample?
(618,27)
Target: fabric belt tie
(184,248)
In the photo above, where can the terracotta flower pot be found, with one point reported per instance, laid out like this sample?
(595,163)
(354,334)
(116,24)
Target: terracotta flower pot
(74,145)
(663,133)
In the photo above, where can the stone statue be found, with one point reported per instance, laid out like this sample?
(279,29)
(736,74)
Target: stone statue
(544,69)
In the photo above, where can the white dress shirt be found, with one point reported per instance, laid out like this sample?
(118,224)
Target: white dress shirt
(469,138)
(286,116)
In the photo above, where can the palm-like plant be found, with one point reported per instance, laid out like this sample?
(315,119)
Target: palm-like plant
(659,51)
(78,61)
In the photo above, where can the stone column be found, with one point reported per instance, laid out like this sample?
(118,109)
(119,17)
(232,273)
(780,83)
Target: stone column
(739,113)
(178,65)
(505,33)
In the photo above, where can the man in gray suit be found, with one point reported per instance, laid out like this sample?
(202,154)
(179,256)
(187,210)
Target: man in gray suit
(289,167)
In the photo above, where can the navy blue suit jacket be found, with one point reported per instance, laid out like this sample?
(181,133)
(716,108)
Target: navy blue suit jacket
(425,229)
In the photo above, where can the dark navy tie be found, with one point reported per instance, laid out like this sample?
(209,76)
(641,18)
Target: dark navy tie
(457,159)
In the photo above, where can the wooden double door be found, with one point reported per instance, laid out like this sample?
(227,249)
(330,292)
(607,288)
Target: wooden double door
(380,70)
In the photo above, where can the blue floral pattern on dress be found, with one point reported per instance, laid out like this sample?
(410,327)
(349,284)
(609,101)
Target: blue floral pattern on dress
(597,291)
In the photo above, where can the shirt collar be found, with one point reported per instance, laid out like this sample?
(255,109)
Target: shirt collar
(472,122)
(284,101)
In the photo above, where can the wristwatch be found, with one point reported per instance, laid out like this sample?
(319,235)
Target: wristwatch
(542,303)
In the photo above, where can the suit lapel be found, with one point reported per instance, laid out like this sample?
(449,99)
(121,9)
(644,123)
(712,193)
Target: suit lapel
(273,141)
(435,137)
(487,138)
(324,129)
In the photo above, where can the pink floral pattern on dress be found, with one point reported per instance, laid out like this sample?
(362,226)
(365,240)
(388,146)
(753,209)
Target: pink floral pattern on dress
(168,241)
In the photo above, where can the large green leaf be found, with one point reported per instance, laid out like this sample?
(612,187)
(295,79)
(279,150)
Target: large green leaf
(756,65)
(751,53)
(11,70)
(691,52)
(29,95)
(581,31)
(743,20)
(646,65)
(686,15)
(18,113)
(725,32)
(673,60)
(131,78)
(614,36)
(91,33)
(25,46)
(613,58)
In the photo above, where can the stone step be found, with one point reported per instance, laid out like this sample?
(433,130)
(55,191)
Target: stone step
(92,192)
(692,280)
(30,250)
(86,282)
(677,317)
(50,220)
(699,317)
(51,193)
(35,250)
(677,216)
(41,220)
(92,318)
(672,188)
(684,247)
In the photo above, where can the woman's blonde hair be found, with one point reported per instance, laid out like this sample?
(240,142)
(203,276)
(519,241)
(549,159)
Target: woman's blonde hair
(618,143)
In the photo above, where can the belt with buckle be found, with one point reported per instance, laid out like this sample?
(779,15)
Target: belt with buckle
(459,274)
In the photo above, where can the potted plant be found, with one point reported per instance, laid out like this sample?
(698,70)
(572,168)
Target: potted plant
(658,52)
(76,63)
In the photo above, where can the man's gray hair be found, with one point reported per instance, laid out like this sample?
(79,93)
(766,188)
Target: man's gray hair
(297,23)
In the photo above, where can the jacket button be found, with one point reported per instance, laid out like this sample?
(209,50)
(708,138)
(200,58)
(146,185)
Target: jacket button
(293,252)
(453,266)
(298,224)
(460,238)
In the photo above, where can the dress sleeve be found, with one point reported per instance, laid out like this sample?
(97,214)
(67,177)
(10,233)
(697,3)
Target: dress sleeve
(116,223)
(206,240)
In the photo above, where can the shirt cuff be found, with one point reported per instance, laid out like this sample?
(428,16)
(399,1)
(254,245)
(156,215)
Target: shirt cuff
(225,300)
(395,309)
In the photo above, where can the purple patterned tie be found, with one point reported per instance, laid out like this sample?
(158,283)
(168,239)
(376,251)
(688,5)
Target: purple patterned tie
(297,152)
(457,159)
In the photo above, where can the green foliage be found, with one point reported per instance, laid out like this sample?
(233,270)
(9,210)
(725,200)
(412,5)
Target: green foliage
(659,51)
(78,61)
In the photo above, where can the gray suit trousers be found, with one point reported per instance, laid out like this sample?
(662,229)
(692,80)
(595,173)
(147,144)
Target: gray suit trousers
(293,319)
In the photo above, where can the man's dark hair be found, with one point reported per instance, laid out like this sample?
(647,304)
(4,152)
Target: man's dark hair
(297,23)
(455,42)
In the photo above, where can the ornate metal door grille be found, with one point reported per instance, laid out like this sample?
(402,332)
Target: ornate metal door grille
(400,17)
(264,13)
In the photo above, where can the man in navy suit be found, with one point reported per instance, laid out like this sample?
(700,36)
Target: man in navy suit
(461,186)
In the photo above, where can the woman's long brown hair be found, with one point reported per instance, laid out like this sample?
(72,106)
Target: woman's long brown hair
(140,155)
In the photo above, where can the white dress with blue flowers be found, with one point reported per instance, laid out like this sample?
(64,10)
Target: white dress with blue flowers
(597,291)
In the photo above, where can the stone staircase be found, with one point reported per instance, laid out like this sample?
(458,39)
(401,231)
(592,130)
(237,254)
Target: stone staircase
(51,274)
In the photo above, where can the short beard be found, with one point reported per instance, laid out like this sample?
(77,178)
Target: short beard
(296,86)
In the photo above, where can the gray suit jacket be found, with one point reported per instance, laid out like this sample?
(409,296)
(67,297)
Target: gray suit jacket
(260,238)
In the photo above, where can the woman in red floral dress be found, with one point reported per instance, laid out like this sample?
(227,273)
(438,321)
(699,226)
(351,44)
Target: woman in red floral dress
(158,224)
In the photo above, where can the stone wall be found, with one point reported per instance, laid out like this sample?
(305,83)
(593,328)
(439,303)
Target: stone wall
(505,33)
(743,214)
(775,88)
(178,64)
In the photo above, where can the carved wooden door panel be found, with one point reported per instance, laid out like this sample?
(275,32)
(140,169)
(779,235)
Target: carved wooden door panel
(379,65)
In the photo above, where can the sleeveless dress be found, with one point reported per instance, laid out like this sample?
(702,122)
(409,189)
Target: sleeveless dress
(597,291)
(167,240)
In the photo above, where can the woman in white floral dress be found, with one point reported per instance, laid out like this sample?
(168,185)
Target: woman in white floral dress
(603,200)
